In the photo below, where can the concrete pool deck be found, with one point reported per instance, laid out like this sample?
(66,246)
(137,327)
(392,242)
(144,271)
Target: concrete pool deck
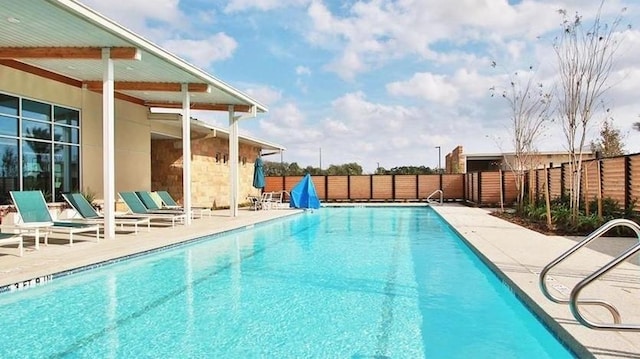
(518,253)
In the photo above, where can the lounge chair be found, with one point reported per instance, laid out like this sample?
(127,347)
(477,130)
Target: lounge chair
(35,216)
(254,202)
(82,206)
(147,200)
(266,200)
(279,200)
(13,238)
(170,203)
(137,208)
(167,200)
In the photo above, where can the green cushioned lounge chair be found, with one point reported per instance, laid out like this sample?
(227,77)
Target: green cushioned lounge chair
(136,207)
(89,215)
(151,205)
(167,200)
(34,215)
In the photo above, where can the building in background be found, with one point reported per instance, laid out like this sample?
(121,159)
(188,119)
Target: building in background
(459,162)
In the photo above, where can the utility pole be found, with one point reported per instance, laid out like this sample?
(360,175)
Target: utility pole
(439,163)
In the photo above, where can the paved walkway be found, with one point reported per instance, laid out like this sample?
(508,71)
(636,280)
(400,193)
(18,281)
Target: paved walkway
(516,252)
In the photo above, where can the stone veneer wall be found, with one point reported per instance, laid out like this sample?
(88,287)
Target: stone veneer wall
(210,177)
(455,161)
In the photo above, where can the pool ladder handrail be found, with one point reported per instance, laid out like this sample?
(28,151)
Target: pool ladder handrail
(575,292)
(430,200)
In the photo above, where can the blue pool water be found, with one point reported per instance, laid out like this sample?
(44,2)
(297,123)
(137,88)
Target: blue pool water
(335,283)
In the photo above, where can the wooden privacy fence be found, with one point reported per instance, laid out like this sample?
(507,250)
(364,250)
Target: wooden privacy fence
(376,187)
(617,178)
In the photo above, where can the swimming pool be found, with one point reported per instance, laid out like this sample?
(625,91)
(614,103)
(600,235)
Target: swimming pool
(335,283)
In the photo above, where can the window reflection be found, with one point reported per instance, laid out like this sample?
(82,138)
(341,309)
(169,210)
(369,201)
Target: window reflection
(8,105)
(9,169)
(66,116)
(8,126)
(66,170)
(36,167)
(35,129)
(66,134)
(36,110)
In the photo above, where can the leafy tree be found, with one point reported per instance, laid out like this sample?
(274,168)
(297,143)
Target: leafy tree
(275,168)
(585,61)
(345,169)
(411,170)
(314,171)
(294,170)
(380,171)
(610,142)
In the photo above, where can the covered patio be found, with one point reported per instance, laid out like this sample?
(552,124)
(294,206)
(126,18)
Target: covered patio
(84,60)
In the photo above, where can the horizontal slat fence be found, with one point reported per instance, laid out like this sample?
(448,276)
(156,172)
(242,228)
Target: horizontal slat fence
(376,187)
(617,178)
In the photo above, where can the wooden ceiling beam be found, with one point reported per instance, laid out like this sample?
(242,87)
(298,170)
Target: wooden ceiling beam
(124,97)
(201,106)
(40,72)
(148,86)
(91,53)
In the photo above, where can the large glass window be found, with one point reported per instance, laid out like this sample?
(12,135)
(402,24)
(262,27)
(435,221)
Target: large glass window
(39,148)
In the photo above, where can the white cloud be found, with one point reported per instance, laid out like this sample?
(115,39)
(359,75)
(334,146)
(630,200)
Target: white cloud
(203,52)
(264,94)
(287,122)
(262,5)
(303,70)
(443,89)
(336,127)
(431,87)
(373,33)
(135,13)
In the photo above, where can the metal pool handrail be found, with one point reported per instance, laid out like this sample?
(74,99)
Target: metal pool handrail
(573,305)
(573,298)
(429,200)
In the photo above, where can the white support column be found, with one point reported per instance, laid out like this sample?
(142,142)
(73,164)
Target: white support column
(186,152)
(233,162)
(108,144)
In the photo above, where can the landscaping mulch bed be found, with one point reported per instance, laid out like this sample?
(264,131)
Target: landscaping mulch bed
(540,227)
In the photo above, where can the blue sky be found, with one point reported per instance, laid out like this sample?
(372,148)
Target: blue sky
(380,81)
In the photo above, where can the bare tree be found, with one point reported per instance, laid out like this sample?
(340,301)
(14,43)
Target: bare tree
(529,110)
(585,59)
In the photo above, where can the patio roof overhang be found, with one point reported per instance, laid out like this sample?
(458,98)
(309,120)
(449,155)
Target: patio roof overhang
(63,40)
(68,42)
(201,129)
